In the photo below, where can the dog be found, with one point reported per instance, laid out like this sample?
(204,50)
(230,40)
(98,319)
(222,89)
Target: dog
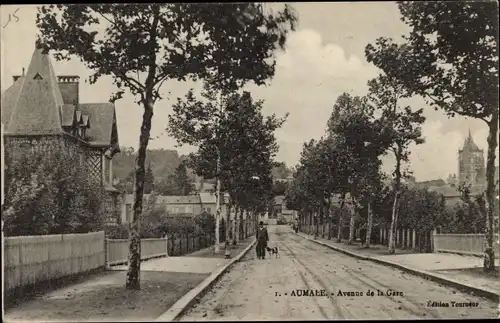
(273,251)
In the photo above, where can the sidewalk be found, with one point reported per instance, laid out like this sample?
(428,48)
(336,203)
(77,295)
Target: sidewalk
(103,297)
(460,271)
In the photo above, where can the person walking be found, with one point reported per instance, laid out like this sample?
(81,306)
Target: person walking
(262,239)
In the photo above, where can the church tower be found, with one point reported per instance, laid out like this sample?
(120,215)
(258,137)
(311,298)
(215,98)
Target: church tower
(471,166)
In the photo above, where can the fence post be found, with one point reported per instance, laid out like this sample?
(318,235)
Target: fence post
(433,234)
(106,252)
(3,242)
(413,238)
(166,245)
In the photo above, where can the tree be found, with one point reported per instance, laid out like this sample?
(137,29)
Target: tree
(279,188)
(243,146)
(149,181)
(181,181)
(450,58)
(51,194)
(144,45)
(400,127)
(360,141)
(281,171)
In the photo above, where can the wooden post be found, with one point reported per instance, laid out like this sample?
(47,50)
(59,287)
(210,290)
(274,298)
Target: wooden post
(106,253)
(433,234)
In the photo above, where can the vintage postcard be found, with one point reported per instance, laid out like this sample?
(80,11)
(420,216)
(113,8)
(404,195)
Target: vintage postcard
(250,161)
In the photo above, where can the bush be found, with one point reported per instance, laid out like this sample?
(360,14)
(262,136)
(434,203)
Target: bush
(51,194)
(418,208)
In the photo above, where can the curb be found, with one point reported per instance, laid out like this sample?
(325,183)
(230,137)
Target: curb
(176,310)
(489,294)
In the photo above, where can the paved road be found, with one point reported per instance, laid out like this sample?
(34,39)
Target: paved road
(264,289)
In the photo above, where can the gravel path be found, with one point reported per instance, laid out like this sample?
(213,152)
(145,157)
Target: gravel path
(268,289)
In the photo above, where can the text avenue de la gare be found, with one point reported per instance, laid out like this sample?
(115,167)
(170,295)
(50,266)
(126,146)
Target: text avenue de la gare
(339,293)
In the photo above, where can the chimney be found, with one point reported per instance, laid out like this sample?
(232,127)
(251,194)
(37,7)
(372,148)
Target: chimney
(69,86)
(16,77)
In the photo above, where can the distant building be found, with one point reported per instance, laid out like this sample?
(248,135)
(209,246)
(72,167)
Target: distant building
(178,206)
(471,171)
(203,185)
(175,206)
(209,202)
(471,166)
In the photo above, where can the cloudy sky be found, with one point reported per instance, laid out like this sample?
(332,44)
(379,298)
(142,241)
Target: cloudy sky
(323,58)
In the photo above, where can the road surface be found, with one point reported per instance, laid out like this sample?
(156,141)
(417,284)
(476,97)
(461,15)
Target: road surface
(269,289)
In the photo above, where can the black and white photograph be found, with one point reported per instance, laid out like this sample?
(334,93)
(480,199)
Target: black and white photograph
(255,161)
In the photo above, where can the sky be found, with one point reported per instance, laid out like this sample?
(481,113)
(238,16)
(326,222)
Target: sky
(323,58)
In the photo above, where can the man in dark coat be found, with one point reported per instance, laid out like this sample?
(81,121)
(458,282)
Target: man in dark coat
(262,239)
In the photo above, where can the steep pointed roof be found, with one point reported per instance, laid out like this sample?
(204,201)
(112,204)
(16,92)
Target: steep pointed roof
(470,144)
(33,103)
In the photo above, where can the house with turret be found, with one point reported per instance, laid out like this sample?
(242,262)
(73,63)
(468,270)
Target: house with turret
(42,111)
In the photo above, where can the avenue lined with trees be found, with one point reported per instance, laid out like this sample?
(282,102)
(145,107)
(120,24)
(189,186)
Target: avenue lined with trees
(338,179)
(458,78)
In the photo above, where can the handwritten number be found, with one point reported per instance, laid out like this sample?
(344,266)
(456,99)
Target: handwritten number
(10,18)
(14,15)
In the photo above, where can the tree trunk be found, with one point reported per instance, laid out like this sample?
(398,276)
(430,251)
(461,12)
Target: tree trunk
(369,224)
(392,229)
(395,205)
(339,227)
(235,225)
(489,253)
(134,255)
(217,206)
(352,222)
(316,231)
(330,218)
(322,220)
(247,217)
(228,226)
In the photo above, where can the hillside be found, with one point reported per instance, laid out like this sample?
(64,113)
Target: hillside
(163,163)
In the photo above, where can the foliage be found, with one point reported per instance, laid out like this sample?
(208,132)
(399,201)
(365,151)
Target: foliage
(279,188)
(450,58)
(149,181)
(51,194)
(201,224)
(453,67)
(281,171)
(163,163)
(236,128)
(182,182)
(142,45)
(422,209)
